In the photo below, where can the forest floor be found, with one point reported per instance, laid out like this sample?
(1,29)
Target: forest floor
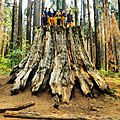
(104,107)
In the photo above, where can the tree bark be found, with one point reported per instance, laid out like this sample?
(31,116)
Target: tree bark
(84,14)
(36,17)
(97,41)
(76,15)
(81,13)
(19,107)
(108,51)
(0,19)
(43,5)
(29,15)
(13,26)
(115,40)
(58,57)
(1,32)
(119,12)
(102,40)
(63,4)
(36,115)
(19,41)
(90,33)
(57,4)
(3,49)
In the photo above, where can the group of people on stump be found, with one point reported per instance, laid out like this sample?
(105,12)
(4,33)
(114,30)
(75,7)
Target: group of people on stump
(57,18)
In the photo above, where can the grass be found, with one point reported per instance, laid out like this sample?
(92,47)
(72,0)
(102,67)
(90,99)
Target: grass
(113,78)
(114,75)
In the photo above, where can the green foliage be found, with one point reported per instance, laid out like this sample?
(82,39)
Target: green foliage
(5,66)
(74,9)
(15,56)
(6,23)
(112,92)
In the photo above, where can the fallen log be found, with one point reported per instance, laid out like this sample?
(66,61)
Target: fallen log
(18,107)
(36,115)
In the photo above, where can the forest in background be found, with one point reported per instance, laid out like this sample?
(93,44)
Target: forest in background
(101,33)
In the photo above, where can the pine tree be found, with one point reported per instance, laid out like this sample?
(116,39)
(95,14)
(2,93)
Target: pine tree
(119,12)
(57,4)
(6,39)
(63,4)
(90,33)
(97,41)
(116,40)
(76,13)
(19,41)
(43,5)
(29,15)
(36,16)
(1,25)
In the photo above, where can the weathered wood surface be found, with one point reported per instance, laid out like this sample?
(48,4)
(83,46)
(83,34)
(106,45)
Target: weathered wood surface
(36,115)
(19,107)
(58,57)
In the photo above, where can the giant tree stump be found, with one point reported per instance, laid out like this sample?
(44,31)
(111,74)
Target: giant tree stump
(58,57)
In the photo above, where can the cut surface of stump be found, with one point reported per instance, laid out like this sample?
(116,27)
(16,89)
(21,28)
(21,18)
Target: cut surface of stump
(58,58)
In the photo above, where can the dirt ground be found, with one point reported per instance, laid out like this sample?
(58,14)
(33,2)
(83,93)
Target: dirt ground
(104,107)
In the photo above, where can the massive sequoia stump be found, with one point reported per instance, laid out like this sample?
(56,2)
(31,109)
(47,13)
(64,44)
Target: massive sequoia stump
(58,57)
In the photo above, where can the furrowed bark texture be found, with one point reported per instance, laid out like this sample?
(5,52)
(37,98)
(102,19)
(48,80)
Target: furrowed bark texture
(58,57)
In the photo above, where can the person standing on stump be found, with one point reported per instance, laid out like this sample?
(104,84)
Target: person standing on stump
(50,17)
(69,19)
(63,17)
(58,17)
(45,14)
(43,20)
(54,17)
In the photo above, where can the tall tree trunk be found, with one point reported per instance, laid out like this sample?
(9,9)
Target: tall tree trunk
(58,58)
(13,27)
(111,58)
(43,5)
(36,17)
(3,49)
(119,12)
(90,34)
(29,15)
(102,40)
(106,30)
(84,14)
(38,12)
(1,33)
(0,19)
(76,15)
(19,42)
(57,4)
(63,4)
(97,41)
(15,24)
(115,36)
(81,13)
